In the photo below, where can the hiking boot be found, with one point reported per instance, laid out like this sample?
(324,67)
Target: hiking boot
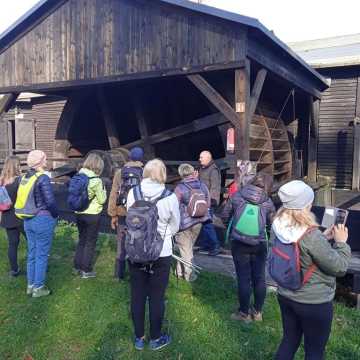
(29,290)
(214,252)
(13,273)
(88,275)
(161,342)
(240,316)
(256,315)
(139,343)
(41,291)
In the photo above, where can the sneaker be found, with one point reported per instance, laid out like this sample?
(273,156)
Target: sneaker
(256,315)
(214,252)
(29,290)
(88,275)
(139,343)
(161,342)
(13,273)
(41,291)
(240,316)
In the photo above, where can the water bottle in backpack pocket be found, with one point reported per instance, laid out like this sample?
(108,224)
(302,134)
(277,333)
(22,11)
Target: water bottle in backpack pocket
(78,196)
(284,264)
(143,243)
(5,201)
(131,176)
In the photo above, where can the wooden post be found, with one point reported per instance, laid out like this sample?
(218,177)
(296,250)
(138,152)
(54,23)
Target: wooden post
(242,127)
(111,130)
(356,154)
(314,106)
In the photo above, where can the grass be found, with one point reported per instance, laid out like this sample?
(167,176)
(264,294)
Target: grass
(89,319)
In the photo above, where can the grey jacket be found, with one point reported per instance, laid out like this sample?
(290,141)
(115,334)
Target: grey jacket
(331,262)
(210,176)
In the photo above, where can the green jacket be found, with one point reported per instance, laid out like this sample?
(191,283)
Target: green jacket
(97,193)
(331,262)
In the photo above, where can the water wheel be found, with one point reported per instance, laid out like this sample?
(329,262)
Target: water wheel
(270,147)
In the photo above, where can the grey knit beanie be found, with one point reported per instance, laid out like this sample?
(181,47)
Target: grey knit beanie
(296,195)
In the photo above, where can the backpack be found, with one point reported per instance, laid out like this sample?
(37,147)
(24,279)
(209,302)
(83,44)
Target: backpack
(284,264)
(197,206)
(131,176)
(25,205)
(5,201)
(143,243)
(78,196)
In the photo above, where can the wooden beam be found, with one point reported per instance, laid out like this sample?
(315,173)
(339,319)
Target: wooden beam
(256,92)
(242,127)
(356,151)
(66,85)
(111,130)
(195,126)
(215,98)
(314,106)
(6,101)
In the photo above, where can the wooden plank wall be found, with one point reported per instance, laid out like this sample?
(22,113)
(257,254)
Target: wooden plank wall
(88,39)
(337,112)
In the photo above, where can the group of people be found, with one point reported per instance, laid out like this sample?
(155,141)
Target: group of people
(151,221)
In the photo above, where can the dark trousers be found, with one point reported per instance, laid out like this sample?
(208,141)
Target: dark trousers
(311,320)
(208,234)
(88,226)
(250,272)
(153,286)
(13,235)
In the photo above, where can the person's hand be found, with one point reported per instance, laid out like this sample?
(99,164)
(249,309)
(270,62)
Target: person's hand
(114,222)
(341,233)
(196,174)
(329,232)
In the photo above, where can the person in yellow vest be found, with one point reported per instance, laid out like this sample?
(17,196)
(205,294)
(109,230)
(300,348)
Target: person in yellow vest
(88,221)
(35,204)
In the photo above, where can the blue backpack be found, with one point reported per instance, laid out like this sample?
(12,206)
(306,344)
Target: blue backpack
(284,264)
(78,197)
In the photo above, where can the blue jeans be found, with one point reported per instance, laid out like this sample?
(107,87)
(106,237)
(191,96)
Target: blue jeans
(208,234)
(249,264)
(39,233)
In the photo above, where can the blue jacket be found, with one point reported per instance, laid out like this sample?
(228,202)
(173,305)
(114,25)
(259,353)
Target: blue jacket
(183,194)
(44,194)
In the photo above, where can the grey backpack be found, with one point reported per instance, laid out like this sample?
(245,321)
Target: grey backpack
(143,243)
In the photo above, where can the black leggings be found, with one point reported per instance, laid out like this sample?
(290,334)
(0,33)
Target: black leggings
(13,235)
(153,286)
(311,320)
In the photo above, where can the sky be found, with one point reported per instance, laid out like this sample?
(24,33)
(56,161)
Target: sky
(291,20)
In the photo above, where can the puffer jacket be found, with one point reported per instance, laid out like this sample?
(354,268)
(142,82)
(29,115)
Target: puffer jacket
(44,194)
(210,176)
(183,193)
(253,195)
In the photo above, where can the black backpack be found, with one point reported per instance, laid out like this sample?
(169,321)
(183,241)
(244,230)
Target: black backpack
(78,197)
(143,243)
(131,176)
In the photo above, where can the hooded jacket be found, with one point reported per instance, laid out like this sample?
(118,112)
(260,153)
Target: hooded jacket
(97,193)
(183,193)
(253,195)
(168,210)
(210,176)
(330,261)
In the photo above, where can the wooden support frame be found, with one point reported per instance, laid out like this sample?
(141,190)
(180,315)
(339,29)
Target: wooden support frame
(256,92)
(314,106)
(111,130)
(356,150)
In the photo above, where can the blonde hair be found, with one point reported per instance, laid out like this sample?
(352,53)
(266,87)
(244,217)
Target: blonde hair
(94,163)
(155,170)
(10,170)
(300,218)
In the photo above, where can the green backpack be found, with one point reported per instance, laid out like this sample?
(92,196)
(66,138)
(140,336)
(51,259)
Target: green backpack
(248,223)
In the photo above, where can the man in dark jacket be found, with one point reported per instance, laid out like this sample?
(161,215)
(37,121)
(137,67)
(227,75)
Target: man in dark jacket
(209,174)
(189,226)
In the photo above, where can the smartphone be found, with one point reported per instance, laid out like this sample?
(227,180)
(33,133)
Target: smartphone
(341,217)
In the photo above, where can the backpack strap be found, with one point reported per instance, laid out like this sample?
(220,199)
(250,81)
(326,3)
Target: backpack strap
(163,195)
(138,195)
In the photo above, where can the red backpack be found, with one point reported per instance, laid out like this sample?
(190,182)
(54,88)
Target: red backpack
(197,206)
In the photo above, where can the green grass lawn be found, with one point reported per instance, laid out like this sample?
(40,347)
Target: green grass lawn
(89,319)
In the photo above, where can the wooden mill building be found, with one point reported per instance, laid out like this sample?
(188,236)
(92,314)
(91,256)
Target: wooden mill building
(171,75)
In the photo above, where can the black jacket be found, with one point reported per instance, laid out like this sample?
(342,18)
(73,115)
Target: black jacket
(44,194)
(8,218)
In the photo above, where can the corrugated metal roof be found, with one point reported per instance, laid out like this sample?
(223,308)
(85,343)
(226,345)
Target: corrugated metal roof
(330,52)
(44,5)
